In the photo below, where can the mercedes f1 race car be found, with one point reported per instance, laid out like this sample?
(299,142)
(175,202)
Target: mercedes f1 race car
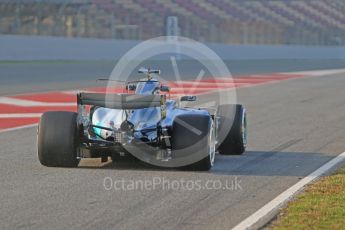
(145,123)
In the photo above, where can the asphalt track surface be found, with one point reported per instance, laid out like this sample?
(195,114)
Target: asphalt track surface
(26,77)
(295,126)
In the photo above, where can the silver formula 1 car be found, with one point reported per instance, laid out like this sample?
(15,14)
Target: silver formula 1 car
(145,123)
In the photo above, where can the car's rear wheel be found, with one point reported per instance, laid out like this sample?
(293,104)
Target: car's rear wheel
(57,140)
(208,162)
(194,133)
(233,132)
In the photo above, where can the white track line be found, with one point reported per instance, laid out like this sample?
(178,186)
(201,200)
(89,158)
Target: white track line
(316,73)
(284,197)
(17,128)
(19,115)
(29,103)
(75,92)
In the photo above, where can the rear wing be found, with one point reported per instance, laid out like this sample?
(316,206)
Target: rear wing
(121,101)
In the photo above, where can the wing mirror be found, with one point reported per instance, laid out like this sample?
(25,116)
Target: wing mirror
(165,88)
(188,98)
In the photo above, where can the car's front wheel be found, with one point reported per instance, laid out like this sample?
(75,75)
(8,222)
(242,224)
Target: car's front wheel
(232,132)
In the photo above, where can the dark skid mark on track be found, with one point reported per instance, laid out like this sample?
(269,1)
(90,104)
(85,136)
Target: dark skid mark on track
(265,155)
(286,145)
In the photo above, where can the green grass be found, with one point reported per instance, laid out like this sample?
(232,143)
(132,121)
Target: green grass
(320,206)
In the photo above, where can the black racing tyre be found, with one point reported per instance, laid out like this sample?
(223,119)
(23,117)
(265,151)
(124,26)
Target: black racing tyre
(202,165)
(57,140)
(190,134)
(232,129)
